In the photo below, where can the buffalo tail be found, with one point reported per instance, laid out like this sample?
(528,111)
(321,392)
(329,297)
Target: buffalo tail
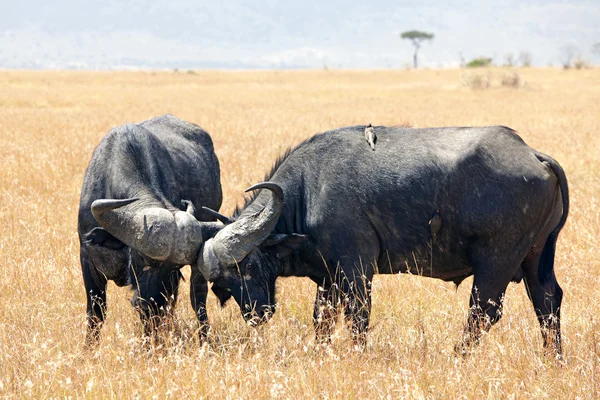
(546,266)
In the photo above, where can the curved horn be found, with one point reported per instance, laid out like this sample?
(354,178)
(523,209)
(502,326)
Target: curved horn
(275,188)
(236,240)
(101,206)
(218,215)
(156,232)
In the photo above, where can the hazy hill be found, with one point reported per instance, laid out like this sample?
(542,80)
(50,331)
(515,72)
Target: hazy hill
(290,34)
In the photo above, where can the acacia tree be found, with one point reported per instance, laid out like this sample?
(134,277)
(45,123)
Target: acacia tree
(416,37)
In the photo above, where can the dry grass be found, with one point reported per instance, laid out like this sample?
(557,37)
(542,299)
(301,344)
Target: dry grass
(476,79)
(511,79)
(49,125)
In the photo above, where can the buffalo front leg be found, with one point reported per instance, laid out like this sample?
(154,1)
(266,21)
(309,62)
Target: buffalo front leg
(489,285)
(154,298)
(95,289)
(326,311)
(198,294)
(357,308)
(546,299)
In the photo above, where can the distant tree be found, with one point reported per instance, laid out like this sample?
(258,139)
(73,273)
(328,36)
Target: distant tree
(525,58)
(479,62)
(417,37)
(566,54)
(509,59)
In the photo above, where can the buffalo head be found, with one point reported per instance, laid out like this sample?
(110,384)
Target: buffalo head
(244,258)
(153,242)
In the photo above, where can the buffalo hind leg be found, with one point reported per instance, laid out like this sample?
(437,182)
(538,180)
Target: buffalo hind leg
(546,299)
(325,313)
(95,289)
(198,294)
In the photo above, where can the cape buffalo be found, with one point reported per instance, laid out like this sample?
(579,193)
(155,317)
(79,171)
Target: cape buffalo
(167,165)
(338,212)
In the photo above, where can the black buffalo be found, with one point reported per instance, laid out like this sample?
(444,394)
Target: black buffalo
(169,166)
(338,212)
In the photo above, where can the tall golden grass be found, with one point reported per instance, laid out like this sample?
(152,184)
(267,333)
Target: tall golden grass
(51,121)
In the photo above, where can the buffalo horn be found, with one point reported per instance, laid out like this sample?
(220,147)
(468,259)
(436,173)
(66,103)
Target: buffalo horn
(236,240)
(154,231)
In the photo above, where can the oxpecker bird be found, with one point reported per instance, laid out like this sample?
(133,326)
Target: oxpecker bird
(370,136)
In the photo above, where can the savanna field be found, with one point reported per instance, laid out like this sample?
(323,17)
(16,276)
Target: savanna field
(50,123)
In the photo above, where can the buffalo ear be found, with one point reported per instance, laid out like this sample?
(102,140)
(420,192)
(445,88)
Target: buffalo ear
(101,237)
(222,294)
(283,245)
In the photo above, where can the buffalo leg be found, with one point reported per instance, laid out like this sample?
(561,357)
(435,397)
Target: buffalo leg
(546,299)
(357,307)
(491,277)
(95,289)
(156,300)
(326,311)
(198,293)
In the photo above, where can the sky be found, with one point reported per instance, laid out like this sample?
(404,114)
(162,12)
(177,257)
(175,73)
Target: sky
(241,34)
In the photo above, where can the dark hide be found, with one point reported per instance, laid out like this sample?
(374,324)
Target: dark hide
(501,206)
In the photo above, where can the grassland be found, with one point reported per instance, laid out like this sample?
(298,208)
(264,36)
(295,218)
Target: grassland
(51,121)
